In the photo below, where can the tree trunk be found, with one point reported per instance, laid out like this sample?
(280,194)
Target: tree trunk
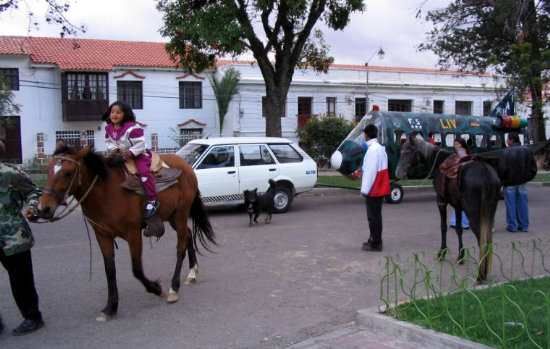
(537,126)
(274,105)
(277,84)
(537,132)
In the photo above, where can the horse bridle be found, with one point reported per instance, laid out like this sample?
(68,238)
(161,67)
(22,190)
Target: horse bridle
(53,193)
(418,160)
(62,197)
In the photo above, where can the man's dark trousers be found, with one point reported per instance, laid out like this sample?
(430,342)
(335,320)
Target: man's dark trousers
(374,215)
(19,267)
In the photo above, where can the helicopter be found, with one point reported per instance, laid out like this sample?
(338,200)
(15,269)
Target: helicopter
(486,136)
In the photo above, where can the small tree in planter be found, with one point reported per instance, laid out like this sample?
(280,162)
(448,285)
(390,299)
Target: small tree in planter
(320,138)
(224,90)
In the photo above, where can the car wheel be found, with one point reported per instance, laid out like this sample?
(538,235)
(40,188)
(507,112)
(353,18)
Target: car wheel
(396,194)
(282,199)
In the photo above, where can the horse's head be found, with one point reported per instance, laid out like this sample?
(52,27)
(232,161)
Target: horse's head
(408,157)
(64,178)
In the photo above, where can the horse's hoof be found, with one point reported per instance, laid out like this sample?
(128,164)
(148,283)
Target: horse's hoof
(103,318)
(189,281)
(172,296)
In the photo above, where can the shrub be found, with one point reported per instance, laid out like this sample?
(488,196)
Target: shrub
(320,138)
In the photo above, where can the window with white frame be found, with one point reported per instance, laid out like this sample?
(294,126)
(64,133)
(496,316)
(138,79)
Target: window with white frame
(86,86)
(399,105)
(72,137)
(131,93)
(439,106)
(190,94)
(360,108)
(188,134)
(487,107)
(463,107)
(331,106)
(10,76)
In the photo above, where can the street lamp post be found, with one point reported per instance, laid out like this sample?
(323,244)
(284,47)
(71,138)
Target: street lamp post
(380,52)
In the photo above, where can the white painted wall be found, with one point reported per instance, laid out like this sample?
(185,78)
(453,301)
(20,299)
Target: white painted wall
(40,97)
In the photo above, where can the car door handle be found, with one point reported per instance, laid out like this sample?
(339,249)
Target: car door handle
(231,172)
(273,169)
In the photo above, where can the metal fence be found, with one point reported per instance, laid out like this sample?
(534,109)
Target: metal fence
(427,286)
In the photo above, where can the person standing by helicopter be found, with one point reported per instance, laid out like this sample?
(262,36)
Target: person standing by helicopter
(375,184)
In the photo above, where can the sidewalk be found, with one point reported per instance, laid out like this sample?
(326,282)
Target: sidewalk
(377,331)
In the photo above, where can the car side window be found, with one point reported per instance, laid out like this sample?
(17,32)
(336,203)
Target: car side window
(218,157)
(251,155)
(285,153)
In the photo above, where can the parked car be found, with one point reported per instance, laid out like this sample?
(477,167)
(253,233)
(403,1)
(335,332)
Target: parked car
(226,167)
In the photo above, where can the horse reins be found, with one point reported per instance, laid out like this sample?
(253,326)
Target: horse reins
(62,198)
(433,165)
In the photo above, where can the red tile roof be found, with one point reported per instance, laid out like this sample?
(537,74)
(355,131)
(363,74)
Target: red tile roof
(102,55)
(87,54)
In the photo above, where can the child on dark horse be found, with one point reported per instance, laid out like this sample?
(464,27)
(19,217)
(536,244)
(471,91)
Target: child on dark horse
(450,169)
(124,135)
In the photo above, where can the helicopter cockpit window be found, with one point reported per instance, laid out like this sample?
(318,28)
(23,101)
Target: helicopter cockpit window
(481,141)
(499,143)
(496,141)
(417,135)
(434,138)
(399,137)
(450,140)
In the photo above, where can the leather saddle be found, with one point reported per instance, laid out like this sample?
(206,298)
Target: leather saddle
(164,176)
(451,171)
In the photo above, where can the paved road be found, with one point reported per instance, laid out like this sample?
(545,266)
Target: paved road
(267,286)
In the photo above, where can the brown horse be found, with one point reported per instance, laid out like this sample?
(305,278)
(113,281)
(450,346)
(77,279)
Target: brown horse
(115,212)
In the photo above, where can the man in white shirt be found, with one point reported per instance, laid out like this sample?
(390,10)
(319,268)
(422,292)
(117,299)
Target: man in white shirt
(375,184)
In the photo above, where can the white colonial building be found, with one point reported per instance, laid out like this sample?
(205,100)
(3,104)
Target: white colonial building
(65,85)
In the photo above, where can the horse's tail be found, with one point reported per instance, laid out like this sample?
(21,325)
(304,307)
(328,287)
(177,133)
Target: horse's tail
(202,229)
(488,206)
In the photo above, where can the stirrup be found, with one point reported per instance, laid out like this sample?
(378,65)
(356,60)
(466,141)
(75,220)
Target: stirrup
(151,208)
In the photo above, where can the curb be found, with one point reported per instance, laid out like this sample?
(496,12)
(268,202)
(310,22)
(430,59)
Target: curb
(384,325)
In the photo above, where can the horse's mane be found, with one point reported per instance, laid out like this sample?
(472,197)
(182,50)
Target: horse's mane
(96,164)
(65,149)
(431,153)
(425,148)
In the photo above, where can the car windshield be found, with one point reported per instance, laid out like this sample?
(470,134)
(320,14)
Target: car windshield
(191,152)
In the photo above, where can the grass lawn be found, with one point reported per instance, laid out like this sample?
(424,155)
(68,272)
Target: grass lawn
(344,182)
(510,311)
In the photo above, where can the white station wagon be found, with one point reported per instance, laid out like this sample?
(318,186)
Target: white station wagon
(226,167)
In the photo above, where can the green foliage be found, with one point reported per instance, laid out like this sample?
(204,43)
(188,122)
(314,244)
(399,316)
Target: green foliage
(8,106)
(320,138)
(201,30)
(509,37)
(224,91)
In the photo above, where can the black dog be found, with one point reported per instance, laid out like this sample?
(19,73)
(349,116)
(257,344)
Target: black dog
(256,203)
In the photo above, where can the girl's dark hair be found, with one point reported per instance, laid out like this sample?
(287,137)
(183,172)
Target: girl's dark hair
(128,113)
(464,144)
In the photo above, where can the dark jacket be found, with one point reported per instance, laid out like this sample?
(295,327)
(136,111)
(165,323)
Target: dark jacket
(15,189)
(517,166)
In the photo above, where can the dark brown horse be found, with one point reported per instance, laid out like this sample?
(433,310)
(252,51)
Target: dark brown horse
(475,191)
(115,212)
